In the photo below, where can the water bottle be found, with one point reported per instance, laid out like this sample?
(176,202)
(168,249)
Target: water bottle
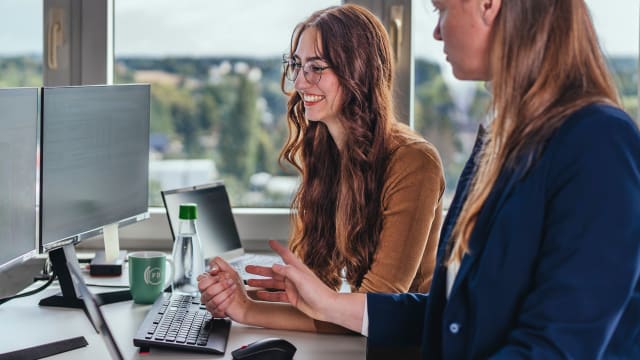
(188,262)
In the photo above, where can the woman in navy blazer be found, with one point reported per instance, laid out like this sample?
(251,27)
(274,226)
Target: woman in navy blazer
(540,250)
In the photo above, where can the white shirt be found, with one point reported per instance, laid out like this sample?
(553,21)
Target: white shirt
(452,272)
(365,319)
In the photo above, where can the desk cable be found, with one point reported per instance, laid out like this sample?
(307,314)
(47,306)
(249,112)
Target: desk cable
(28,293)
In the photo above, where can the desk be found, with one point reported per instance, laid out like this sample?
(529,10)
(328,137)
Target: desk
(24,324)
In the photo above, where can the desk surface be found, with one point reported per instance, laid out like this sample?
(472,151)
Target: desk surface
(24,324)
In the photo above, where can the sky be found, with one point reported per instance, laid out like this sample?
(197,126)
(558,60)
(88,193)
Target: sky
(258,27)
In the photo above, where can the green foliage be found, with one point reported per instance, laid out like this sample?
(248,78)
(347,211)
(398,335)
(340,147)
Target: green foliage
(183,112)
(214,114)
(630,105)
(625,74)
(20,71)
(208,112)
(481,102)
(238,144)
(426,71)
(155,197)
(434,110)
(161,109)
(266,154)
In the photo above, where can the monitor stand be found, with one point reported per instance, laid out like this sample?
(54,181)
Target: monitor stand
(69,297)
(110,261)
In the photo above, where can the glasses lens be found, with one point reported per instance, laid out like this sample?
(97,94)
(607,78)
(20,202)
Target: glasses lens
(289,68)
(292,71)
(311,73)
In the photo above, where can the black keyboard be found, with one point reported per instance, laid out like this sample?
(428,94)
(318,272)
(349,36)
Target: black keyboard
(182,322)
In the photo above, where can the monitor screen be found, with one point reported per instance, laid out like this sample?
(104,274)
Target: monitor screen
(18,168)
(95,156)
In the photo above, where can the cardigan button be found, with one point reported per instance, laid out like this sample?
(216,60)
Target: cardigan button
(454,328)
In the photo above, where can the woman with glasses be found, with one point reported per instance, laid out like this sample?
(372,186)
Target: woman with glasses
(369,208)
(540,250)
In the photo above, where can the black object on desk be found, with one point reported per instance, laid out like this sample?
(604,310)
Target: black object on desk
(44,350)
(266,349)
(99,265)
(62,259)
(181,322)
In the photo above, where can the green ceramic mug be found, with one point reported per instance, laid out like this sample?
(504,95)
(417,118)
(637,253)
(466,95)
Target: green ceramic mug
(148,275)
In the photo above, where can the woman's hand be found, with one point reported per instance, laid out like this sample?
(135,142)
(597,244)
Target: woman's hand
(222,291)
(271,282)
(300,285)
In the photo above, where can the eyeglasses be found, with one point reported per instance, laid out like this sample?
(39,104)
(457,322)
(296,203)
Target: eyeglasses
(312,72)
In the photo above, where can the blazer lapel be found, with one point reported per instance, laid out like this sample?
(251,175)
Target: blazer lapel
(500,192)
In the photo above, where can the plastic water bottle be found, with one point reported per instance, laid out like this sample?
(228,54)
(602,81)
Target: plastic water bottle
(188,262)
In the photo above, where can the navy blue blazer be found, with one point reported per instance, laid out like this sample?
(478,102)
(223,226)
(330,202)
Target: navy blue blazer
(554,263)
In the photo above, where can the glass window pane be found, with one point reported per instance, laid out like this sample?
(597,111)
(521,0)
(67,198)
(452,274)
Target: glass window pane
(217,111)
(448,111)
(617,26)
(21,43)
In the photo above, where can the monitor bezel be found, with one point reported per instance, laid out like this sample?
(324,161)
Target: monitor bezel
(23,257)
(75,239)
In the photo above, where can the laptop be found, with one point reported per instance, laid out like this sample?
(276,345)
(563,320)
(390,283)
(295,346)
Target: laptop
(174,321)
(216,226)
(94,313)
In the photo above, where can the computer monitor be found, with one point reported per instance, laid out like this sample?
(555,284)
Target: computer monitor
(18,171)
(94,169)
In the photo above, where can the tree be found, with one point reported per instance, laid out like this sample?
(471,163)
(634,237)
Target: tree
(186,123)
(238,132)
(209,111)
(433,118)
(266,154)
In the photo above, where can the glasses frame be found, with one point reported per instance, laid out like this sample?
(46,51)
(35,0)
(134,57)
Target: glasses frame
(313,77)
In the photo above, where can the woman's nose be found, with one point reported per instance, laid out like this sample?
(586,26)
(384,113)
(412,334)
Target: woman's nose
(436,32)
(301,82)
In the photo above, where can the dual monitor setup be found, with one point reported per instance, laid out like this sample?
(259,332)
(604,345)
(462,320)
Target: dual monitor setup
(74,163)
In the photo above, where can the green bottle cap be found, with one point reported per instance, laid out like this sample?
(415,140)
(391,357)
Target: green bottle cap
(188,211)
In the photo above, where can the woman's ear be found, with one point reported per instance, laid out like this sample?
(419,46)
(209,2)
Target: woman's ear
(489,10)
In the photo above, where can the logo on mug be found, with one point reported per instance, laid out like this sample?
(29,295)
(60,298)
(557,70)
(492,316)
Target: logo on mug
(152,276)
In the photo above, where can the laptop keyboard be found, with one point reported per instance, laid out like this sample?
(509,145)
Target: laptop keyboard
(182,322)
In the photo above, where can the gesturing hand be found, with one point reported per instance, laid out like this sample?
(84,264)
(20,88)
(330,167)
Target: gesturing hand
(301,286)
(272,281)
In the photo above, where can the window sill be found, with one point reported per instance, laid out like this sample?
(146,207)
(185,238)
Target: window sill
(255,227)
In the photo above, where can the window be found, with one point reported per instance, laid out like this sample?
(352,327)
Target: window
(202,56)
(21,39)
(217,110)
(617,26)
(448,111)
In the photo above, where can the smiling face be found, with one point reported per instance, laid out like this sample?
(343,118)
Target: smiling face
(322,100)
(464,26)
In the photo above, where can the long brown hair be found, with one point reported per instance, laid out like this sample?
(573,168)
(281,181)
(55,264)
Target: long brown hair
(545,64)
(337,215)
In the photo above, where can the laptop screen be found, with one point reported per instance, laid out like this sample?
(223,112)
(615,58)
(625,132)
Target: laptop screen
(215,224)
(95,315)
